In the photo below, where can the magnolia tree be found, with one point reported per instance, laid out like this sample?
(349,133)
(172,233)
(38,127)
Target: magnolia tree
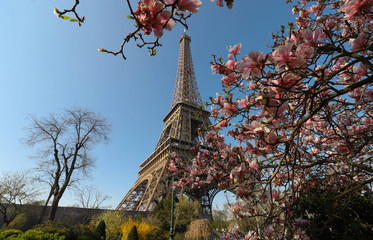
(301,111)
(301,114)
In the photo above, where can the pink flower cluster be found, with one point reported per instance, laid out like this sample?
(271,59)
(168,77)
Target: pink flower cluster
(155,15)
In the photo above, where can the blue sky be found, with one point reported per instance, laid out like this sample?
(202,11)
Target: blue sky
(48,64)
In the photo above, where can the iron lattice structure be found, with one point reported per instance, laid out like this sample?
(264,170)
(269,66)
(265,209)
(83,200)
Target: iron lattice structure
(186,88)
(179,135)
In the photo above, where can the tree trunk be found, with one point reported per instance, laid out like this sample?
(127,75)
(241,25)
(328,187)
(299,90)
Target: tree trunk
(4,216)
(54,206)
(42,213)
(57,197)
(44,207)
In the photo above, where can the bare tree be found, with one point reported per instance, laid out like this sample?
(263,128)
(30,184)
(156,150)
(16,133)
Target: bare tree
(64,142)
(88,198)
(16,191)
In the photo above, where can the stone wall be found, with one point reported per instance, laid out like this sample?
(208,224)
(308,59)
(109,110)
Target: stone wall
(68,215)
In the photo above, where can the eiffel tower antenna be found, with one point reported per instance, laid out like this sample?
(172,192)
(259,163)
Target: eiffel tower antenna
(179,135)
(186,88)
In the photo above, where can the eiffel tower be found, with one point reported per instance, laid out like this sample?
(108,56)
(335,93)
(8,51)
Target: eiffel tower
(179,135)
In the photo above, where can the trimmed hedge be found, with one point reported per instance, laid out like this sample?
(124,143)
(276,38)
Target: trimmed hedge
(78,232)
(101,230)
(12,234)
(132,235)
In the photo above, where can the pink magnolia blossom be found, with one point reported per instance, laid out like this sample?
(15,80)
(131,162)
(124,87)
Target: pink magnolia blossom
(232,64)
(154,6)
(368,121)
(223,123)
(362,70)
(273,138)
(343,149)
(164,19)
(243,102)
(288,80)
(352,8)
(218,2)
(235,49)
(254,165)
(359,42)
(219,99)
(269,231)
(257,127)
(189,5)
(275,195)
(163,22)
(172,168)
(284,54)
(252,64)
(241,191)
(314,151)
(311,37)
(229,108)
(215,68)
(251,235)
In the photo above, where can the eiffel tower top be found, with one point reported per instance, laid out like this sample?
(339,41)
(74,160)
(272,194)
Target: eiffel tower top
(186,88)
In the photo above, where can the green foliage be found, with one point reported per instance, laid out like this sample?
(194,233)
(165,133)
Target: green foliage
(82,232)
(19,222)
(51,231)
(331,217)
(78,232)
(39,235)
(59,228)
(7,234)
(163,213)
(185,212)
(101,230)
(156,234)
(132,235)
(220,220)
(113,221)
(12,234)
(179,236)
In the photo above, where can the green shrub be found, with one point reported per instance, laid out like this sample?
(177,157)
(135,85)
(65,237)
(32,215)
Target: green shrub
(101,230)
(179,236)
(78,232)
(156,234)
(19,222)
(132,235)
(59,228)
(333,217)
(82,232)
(12,234)
(9,233)
(113,221)
(39,235)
